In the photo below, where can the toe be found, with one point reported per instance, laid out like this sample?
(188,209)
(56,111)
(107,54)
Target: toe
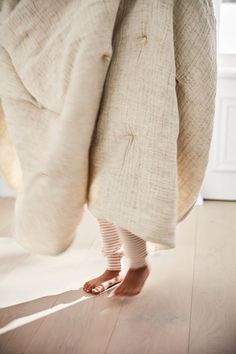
(97,289)
(90,287)
(85,287)
(118,291)
(125,292)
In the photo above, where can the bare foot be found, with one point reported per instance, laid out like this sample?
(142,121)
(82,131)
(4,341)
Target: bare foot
(133,282)
(95,286)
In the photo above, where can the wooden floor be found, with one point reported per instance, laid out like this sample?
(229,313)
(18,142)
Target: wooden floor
(188,304)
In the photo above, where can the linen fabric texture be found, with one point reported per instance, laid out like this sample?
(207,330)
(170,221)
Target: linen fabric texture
(106,105)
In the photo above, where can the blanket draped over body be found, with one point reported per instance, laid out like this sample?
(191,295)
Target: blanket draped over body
(109,105)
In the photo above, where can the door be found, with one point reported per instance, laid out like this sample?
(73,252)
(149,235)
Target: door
(220,177)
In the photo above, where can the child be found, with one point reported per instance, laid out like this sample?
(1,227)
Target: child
(134,247)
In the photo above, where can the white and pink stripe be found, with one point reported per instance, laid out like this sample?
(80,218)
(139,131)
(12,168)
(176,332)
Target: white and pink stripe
(118,242)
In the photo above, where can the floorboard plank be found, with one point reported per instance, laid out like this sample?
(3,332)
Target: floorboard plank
(158,321)
(213,324)
(187,305)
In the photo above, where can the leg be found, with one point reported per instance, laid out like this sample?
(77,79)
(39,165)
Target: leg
(112,250)
(112,246)
(135,249)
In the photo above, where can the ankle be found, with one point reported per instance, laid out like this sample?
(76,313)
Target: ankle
(117,271)
(134,267)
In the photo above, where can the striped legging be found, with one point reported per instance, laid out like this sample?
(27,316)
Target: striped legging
(118,242)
